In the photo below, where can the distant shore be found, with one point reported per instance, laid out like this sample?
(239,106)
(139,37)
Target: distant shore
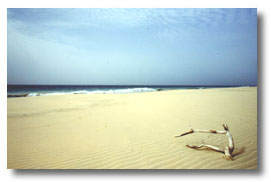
(131,131)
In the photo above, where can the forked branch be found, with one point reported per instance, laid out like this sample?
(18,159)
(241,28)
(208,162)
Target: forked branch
(228,150)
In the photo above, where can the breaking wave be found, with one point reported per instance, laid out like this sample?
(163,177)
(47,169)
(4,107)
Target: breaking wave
(98,91)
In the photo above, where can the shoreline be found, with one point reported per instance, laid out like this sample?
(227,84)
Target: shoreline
(84,92)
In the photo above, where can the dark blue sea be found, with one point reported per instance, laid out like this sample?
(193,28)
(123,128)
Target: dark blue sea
(42,90)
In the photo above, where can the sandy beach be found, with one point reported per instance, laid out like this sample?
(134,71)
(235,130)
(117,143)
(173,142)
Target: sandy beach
(132,131)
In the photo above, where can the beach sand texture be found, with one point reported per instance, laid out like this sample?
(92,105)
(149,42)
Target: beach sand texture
(132,131)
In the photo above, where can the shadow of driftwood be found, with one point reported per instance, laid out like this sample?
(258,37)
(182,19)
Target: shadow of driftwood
(238,151)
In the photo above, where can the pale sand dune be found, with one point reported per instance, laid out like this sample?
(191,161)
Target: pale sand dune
(132,131)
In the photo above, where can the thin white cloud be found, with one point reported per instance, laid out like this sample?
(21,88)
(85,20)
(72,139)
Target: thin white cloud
(162,20)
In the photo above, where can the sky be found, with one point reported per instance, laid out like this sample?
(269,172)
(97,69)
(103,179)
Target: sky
(132,46)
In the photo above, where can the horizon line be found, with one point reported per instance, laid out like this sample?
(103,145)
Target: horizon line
(122,85)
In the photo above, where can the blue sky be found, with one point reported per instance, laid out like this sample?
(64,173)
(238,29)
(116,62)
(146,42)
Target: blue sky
(132,46)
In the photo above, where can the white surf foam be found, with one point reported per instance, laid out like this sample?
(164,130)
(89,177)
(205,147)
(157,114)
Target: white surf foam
(111,91)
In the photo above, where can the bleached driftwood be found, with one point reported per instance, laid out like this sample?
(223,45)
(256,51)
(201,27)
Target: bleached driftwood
(228,150)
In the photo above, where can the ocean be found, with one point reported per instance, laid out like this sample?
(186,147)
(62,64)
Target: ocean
(43,90)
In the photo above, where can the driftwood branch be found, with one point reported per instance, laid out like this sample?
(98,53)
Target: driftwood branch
(228,150)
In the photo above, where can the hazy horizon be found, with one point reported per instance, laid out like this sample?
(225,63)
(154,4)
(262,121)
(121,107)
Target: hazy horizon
(132,47)
(127,85)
